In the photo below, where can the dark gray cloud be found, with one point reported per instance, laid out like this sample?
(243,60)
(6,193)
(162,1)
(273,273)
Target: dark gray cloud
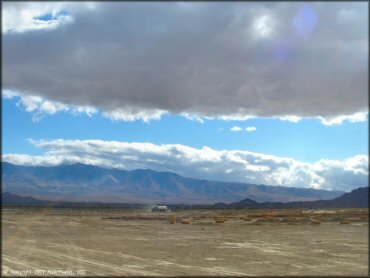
(205,59)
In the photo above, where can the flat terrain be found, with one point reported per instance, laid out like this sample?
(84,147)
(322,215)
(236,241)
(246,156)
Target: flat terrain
(109,242)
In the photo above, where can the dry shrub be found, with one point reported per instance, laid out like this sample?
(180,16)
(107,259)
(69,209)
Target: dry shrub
(220,220)
(257,222)
(345,222)
(275,220)
(172,219)
(247,219)
(315,222)
(185,221)
(45,212)
(288,219)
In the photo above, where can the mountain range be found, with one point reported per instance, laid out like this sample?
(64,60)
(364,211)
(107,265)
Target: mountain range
(357,198)
(87,183)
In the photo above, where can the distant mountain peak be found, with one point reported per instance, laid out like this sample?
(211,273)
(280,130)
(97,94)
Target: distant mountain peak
(80,182)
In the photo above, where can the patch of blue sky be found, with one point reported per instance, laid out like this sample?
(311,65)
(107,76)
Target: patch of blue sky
(45,17)
(308,140)
(50,16)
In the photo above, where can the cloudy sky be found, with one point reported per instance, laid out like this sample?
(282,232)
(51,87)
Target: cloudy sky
(272,93)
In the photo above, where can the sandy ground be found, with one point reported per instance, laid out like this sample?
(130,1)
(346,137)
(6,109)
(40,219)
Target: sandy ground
(99,243)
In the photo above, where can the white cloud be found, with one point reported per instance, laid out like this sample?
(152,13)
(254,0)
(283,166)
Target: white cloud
(129,114)
(194,117)
(24,17)
(8,94)
(240,116)
(354,118)
(290,118)
(30,103)
(236,128)
(41,107)
(230,61)
(248,129)
(88,110)
(203,163)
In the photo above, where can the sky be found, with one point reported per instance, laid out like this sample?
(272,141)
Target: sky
(255,92)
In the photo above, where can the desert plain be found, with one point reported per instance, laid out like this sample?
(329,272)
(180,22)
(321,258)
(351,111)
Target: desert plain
(127,242)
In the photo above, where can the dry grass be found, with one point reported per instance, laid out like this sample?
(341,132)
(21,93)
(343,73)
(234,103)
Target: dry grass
(315,222)
(292,215)
(185,221)
(258,222)
(45,212)
(345,222)
(220,220)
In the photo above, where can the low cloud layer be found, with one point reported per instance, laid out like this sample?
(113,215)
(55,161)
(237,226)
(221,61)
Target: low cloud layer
(204,163)
(225,60)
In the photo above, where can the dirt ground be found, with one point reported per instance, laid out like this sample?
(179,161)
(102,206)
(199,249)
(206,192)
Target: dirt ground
(101,242)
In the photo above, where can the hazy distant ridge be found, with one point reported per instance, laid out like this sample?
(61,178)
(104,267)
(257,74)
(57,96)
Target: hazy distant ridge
(79,182)
(357,198)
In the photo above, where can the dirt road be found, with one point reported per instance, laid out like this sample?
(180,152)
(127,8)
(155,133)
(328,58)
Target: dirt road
(76,243)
